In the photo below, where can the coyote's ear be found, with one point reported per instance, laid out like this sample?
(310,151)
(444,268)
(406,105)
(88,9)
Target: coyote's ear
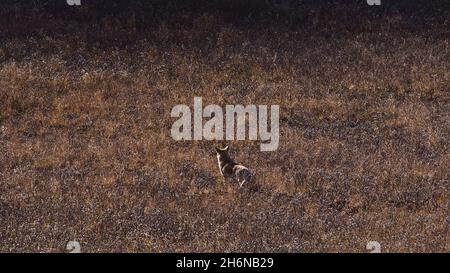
(227,148)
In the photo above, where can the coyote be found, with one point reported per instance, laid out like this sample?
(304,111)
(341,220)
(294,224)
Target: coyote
(229,168)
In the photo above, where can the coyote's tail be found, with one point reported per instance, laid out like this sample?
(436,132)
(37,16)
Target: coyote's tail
(249,178)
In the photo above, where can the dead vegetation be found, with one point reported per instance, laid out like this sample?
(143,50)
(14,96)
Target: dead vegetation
(86,152)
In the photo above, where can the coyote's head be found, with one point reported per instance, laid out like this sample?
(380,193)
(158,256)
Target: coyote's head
(222,153)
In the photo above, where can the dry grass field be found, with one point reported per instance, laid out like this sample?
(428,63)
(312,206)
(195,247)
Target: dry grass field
(85,146)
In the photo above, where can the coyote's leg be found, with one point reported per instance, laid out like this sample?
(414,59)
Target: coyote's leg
(241,182)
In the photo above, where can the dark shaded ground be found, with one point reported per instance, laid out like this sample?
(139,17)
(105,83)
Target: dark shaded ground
(86,153)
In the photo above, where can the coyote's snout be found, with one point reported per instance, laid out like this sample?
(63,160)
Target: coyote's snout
(230,169)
